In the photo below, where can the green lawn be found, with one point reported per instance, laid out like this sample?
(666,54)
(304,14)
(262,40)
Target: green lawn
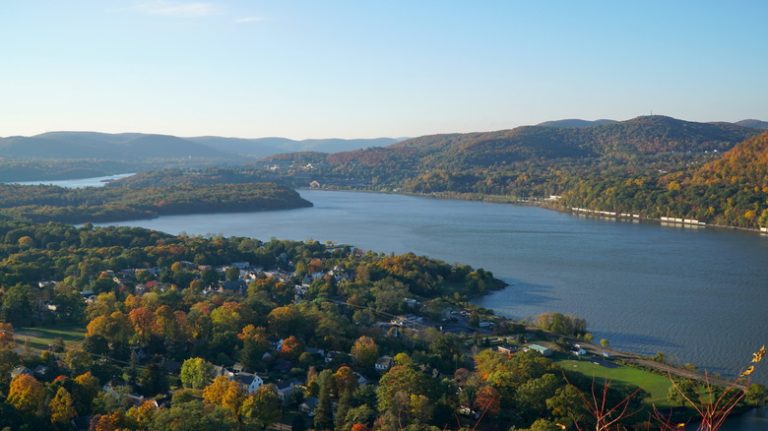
(654,384)
(40,337)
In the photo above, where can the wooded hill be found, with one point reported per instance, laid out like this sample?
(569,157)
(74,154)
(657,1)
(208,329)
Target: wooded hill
(106,204)
(592,166)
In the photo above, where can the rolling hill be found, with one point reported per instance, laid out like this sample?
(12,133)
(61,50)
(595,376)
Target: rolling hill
(626,140)
(140,146)
(753,124)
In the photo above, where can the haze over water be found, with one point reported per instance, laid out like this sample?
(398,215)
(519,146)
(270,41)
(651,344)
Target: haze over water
(699,296)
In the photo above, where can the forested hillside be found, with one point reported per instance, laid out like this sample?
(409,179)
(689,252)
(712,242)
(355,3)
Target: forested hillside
(732,190)
(655,166)
(50,203)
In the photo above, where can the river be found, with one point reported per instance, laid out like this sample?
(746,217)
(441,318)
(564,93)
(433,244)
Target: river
(78,183)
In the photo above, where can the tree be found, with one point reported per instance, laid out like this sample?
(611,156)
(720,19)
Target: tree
(143,321)
(17,306)
(543,425)
(285,321)
(194,373)
(193,416)
(255,344)
(141,415)
(324,409)
(756,395)
(153,380)
(61,406)
(26,242)
(346,380)
(291,348)
(567,405)
(6,336)
(263,408)
(682,389)
(26,393)
(84,391)
(399,379)
(604,342)
(488,400)
(532,395)
(365,352)
(225,393)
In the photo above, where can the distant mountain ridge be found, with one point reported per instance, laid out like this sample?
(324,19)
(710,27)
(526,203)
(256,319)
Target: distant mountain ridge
(575,123)
(642,136)
(754,124)
(141,146)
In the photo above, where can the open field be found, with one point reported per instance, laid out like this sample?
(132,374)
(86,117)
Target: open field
(40,337)
(656,385)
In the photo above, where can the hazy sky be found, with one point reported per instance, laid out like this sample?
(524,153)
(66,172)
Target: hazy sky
(363,68)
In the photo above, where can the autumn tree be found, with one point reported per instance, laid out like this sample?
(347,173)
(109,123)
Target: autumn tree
(194,373)
(346,380)
(85,389)
(225,393)
(263,408)
(255,344)
(6,336)
(285,321)
(26,393)
(61,407)
(291,348)
(365,352)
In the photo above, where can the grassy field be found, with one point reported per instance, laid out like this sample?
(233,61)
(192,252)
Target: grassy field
(40,337)
(654,384)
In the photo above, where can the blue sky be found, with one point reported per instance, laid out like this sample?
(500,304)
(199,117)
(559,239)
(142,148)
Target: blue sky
(364,68)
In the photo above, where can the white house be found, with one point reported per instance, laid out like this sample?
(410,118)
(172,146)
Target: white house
(249,382)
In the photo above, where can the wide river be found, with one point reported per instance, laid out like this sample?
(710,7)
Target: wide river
(698,295)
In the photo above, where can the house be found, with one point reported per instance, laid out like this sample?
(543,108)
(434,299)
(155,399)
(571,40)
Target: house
(17,371)
(249,382)
(578,350)
(218,370)
(314,185)
(544,351)
(507,348)
(485,324)
(384,363)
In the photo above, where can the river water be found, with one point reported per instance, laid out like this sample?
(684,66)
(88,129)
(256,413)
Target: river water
(78,183)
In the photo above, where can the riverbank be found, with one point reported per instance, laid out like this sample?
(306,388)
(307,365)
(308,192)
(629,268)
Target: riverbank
(546,203)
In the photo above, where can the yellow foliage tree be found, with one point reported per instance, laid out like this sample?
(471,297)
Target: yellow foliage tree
(225,393)
(26,393)
(62,408)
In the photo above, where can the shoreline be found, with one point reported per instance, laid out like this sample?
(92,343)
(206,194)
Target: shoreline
(537,202)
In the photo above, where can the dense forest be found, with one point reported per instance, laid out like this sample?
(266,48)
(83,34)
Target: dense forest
(212,333)
(653,166)
(731,190)
(102,204)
